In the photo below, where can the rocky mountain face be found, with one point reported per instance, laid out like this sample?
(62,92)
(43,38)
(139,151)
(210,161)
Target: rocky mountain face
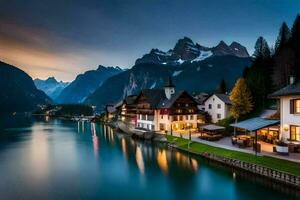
(186,50)
(51,86)
(198,76)
(85,84)
(17,91)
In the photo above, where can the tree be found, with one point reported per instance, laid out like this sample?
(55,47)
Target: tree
(221,89)
(258,75)
(295,37)
(241,100)
(284,66)
(283,37)
(262,49)
(295,45)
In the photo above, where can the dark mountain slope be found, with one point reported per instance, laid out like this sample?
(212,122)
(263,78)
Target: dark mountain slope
(17,90)
(85,84)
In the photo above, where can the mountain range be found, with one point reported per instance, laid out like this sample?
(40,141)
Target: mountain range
(85,84)
(51,86)
(185,50)
(193,67)
(17,90)
(200,76)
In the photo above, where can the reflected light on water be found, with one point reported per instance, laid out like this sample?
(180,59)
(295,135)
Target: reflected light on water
(123,143)
(82,126)
(194,164)
(39,154)
(95,140)
(186,162)
(162,161)
(139,160)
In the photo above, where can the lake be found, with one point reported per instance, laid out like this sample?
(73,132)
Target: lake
(55,159)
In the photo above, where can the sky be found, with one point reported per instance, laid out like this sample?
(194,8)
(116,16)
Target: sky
(63,38)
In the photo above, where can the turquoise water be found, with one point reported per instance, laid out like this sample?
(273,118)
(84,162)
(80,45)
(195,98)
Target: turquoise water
(53,159)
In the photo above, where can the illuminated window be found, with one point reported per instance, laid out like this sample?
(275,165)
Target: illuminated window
(297,106)
(192,117)
(295,133)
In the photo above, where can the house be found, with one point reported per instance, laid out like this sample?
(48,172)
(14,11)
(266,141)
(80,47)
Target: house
(289,98)
(165,110)
(218,106)
(127,110)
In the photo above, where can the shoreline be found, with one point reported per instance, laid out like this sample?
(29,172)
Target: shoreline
(254,168)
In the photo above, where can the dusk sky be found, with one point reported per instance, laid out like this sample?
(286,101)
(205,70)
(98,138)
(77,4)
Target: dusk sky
(62,38)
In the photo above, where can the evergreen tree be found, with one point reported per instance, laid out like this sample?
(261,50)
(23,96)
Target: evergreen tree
(295,45)
(283,37)
(221,89)
(284,67)
(241,100)
(258,76)
(262,49)
(296,31)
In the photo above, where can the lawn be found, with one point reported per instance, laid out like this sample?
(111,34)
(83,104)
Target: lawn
(274,163)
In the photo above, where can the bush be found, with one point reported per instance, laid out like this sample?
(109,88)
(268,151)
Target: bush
(226,123)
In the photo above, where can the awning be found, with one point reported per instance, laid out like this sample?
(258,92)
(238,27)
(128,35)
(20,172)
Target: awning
(212,127)
(254,124)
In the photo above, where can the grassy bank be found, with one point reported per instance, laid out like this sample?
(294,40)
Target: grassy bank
(274,163)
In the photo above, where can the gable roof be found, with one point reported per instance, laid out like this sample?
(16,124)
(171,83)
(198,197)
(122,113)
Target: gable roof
(167,103)
(153,96)
(293,89)
(222,97)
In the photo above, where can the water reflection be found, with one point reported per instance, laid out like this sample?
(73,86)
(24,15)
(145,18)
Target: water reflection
(186,161)
(139,159)
(123,143)
(50,161)
(162,161)
(95,140)
(39,153)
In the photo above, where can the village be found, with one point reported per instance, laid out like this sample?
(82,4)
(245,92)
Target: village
(275,132)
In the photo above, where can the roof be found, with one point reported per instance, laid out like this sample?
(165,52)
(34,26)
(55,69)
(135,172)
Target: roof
(130,99)
(222,97)
(254,124)
(212,127)
(201,98)
(167,103)
(293,89)
(154,96)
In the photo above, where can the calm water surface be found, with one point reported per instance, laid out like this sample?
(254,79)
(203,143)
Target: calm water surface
(53,159)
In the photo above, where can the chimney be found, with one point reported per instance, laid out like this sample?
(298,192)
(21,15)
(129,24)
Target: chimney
(292,80)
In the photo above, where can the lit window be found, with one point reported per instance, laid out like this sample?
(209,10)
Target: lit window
(297,106)
(192,117)
(295,133)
